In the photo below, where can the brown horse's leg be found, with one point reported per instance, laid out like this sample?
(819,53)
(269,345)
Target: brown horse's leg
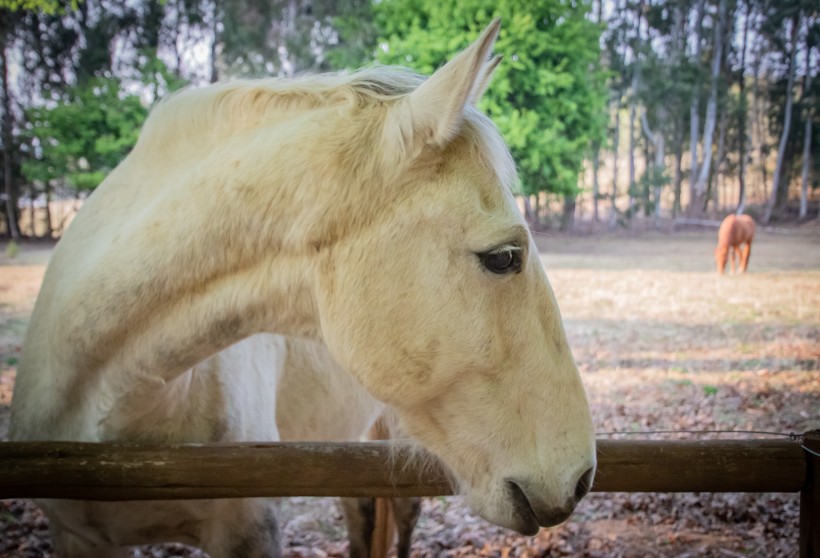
(747,252)
(735,259)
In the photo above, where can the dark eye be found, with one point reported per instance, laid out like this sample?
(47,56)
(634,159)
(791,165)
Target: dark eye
(505,259)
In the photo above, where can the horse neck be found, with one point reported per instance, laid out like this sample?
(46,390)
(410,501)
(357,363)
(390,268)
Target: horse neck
(219,249)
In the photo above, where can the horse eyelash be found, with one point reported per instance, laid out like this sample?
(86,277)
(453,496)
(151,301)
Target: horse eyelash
(504,248)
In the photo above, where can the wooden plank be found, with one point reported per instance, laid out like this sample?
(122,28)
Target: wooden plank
(141,472)
(809,537)
(703,466)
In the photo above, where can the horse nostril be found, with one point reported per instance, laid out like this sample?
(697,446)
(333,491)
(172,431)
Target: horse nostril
(584,484)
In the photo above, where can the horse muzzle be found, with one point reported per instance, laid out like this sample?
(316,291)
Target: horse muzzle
(531,510)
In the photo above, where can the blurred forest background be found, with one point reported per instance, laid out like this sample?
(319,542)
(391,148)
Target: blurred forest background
(620,113)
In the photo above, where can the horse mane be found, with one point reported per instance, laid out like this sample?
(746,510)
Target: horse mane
(210,114)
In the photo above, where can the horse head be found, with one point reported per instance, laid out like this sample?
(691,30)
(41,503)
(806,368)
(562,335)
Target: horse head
(439,305)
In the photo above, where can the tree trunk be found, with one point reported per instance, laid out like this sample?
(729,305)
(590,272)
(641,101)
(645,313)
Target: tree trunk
(720,158)
(528,212)
(215,42)
(658,140)
(596,188)
(613,213)
(632,114)
(787,122)
(178,9)
(678,179)
(8,122)
(568,216)
(32,194)
(694,112)
(711,111)
(759,128)
(49,224)
(537,208)
(808,101)
(741,119)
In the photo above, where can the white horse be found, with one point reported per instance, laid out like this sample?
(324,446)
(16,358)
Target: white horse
(372,212)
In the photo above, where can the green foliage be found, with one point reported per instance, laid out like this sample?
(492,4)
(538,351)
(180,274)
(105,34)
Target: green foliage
(45,6)
(547,97)
(81,139)
(357,34)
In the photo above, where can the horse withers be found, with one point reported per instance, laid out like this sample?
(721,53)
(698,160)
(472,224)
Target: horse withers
(372,212)
(735,242)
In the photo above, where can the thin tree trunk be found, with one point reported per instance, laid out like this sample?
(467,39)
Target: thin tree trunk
(678,178)
(596,188)
(719,159)
(632,114)
(804,175)
(658,141)
(808,100)
(568,216)
(679,31)
(596,151)
(759,128)
(787,122)
(537,208)
(178,10)
(32,194)
(49,225)
(741,119)
(215,43)
(694,112)
(633,108)
(528,211)
(613,214)
(8,122)
(711,110)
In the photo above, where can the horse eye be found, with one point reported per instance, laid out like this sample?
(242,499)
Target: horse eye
(502,260)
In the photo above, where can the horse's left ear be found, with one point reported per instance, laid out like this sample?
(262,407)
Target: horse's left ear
(437,106)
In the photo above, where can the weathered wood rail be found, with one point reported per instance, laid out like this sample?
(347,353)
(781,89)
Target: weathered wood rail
(149,472)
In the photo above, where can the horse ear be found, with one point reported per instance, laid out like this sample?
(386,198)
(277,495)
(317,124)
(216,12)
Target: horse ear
(437,106)
(487,73)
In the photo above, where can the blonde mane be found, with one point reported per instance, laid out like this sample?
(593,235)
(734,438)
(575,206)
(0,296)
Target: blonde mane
(212,113)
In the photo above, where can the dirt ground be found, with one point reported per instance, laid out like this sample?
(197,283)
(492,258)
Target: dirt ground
(662,343)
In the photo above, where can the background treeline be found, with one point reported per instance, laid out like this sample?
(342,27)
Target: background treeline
(617,111)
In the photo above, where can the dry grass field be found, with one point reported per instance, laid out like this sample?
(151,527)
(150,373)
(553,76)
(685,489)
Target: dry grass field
(662,342)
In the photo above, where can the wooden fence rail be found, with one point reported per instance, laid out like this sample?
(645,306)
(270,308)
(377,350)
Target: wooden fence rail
(109,471)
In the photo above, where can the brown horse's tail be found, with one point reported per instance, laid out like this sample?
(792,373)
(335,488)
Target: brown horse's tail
(384,524)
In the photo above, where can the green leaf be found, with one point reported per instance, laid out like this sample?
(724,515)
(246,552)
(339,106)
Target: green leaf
(547,97)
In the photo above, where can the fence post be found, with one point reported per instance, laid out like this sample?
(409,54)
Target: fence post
(810,498)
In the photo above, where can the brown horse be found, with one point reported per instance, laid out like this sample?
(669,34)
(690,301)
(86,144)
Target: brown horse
(735,238)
